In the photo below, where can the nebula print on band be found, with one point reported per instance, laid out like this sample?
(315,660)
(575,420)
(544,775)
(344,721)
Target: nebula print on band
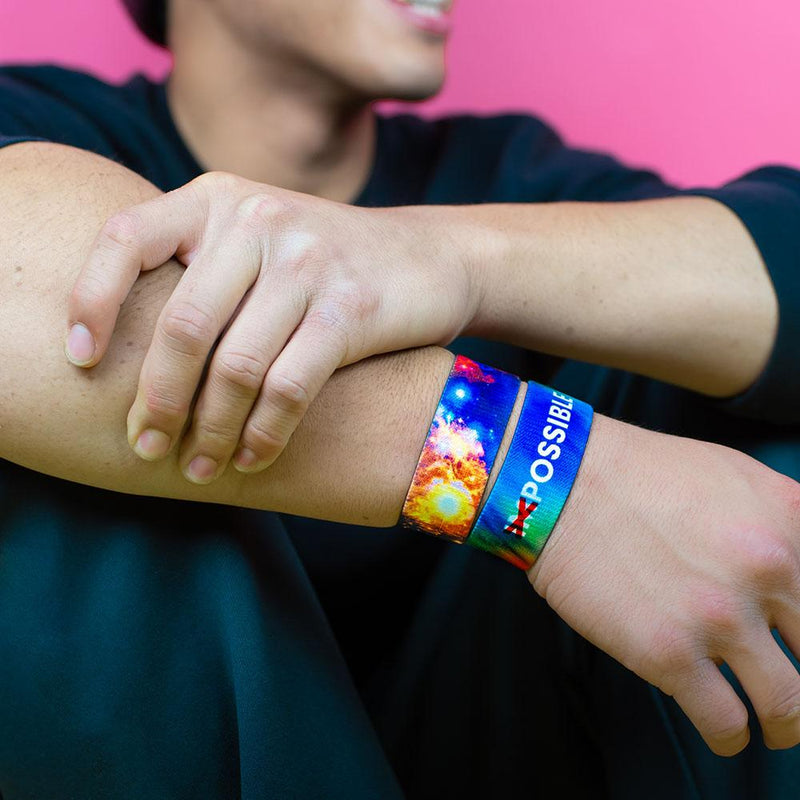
(460,449)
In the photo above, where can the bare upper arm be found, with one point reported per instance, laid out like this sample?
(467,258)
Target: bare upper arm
(352,457)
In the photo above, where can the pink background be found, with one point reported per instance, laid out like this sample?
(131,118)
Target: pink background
(700,89)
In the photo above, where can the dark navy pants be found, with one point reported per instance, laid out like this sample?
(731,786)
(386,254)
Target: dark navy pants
(157,649)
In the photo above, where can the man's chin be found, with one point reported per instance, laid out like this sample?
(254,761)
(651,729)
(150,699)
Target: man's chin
(414,91)
(411,90)
(413,97)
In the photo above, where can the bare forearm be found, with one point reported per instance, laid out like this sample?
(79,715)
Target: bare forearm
(689,561)
(351,459)
(674,289)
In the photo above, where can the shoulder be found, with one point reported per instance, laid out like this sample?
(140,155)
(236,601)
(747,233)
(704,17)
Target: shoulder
(47,78)
(117,121)
(51,104)
(47,88)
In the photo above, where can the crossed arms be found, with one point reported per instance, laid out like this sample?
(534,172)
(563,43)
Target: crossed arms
(668,588)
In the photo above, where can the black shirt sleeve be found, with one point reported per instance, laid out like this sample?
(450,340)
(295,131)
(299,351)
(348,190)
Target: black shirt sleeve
(129,123)
(767,201)
(536,166)
(54,105)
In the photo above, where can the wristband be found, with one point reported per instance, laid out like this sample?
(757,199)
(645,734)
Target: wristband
(536,477)
(461,447)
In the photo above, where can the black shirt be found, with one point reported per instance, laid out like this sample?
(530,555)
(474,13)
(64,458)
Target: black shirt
(152,648)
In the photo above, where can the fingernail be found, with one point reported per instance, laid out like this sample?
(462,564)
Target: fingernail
(152,445)
(202,469)
(80,345)
(246,460)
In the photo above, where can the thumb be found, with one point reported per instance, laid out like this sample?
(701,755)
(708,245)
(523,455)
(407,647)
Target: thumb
(137,239)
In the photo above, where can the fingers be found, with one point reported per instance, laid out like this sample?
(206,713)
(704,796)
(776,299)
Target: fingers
(138,239)
(714,708)
(234,380)
(197,312)
(224,422)
(311,356)
(772,683)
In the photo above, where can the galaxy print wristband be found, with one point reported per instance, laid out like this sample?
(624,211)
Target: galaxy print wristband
(458,454)
(536,477)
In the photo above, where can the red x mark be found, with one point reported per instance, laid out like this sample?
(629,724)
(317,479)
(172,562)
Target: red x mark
(524,510)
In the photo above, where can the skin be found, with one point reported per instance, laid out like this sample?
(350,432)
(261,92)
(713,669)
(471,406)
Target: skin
(315,66)
(286,288)
(668,583)
(713,572)
(678,290)
(70,423)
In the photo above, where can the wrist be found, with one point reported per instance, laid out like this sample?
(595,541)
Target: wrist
(536,478)
(482,249)
(488,430)
(462,246)
(498,253)
(595,483)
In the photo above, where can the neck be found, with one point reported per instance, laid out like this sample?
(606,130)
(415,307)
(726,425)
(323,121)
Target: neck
(269,120)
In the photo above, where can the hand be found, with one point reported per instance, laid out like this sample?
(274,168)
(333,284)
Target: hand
(674,555)
(280,290)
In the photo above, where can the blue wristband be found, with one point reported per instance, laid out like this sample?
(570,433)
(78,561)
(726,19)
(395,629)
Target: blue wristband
(461,447)
(536,477)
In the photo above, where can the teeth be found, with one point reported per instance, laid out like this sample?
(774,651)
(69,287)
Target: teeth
(425,10)
(429,7)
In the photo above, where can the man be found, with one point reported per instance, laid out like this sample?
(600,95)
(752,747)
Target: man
(166,649)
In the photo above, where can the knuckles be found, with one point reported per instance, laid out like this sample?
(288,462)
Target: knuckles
(249,206)
(342,311)
(329,320)
(261,441)
(89,293)
(286,393)
(240,370)
(259,212)
(669,656)
(218,184)
(162,404)
(360,301)
(189,327)
(305,258)
(764,559)
(783,708)
(208,431)
(719,614)
(775,564)
(123,230)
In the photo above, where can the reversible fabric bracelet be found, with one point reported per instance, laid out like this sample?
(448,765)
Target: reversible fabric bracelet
(461,447)
(536,477)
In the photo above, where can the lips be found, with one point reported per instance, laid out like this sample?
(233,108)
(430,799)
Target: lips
(432,16)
